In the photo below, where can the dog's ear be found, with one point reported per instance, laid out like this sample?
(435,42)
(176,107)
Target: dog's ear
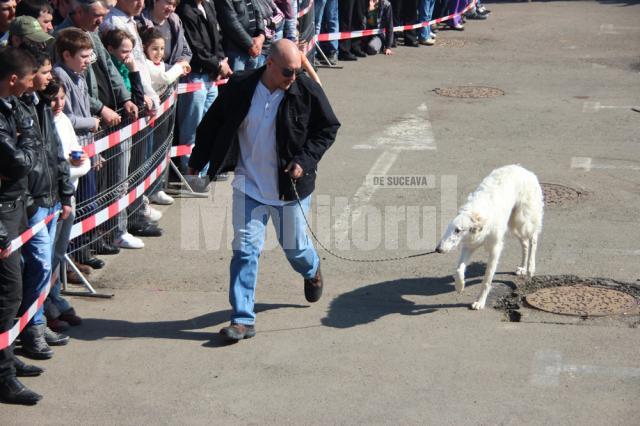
(477,222)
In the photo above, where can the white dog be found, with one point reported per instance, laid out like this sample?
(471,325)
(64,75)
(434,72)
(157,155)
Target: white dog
(509,198)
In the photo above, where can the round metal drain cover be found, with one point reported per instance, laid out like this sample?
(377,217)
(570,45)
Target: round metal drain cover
(555,194)
(450,42)
(582,301)
(469,92)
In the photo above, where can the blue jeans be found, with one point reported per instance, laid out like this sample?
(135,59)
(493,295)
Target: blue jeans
(191,108)
(239,61)
(37,256)
(55,303)
(425,13)
(326,11)
(250,218)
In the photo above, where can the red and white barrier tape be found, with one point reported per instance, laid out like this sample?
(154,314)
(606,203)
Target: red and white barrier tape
(8,337)
(180,150)
(365,33)
(22,239)
(306,10)
(116,207)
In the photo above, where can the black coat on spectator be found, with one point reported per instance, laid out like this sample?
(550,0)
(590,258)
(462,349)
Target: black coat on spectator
(49,178)
(203,36)
(305,128)
(239,23)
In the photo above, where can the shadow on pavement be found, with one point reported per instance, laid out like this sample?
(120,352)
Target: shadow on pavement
(370,303)
(190,329)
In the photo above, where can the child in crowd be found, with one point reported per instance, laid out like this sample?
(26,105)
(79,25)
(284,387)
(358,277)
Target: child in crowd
(153,43)
(120,45)
(379,17)
(60,314)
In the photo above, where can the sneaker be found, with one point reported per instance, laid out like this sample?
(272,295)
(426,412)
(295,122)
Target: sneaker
(161,198)
(427,42)
(152,214)
(128,241)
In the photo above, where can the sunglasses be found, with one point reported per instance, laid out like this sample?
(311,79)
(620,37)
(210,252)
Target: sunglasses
(289,72)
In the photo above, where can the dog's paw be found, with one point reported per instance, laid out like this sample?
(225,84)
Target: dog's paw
(459,285)
(477,305)
(520,271)
(530,273)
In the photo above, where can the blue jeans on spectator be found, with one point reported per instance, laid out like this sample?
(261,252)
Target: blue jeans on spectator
(326,12)
(250,218)
(425,13)
(55,303)
(239,61)
(191,108)
(37,255)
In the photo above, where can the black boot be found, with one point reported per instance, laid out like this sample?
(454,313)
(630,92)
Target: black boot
(33,344)
(14,392)
(26,370)
(55,339)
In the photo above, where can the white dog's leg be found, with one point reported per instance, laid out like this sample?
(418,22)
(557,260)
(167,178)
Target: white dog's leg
(531,265)
(465,255)
(522,269)
(494,256)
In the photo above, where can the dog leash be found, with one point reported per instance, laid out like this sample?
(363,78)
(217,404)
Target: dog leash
(349,259)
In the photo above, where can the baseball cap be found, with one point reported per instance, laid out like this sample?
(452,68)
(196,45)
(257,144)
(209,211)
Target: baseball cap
(29,28)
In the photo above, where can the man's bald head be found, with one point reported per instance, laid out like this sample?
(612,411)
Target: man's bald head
(285,51)
(283,64)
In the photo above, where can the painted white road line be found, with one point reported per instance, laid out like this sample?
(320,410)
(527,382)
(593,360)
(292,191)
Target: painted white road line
(363,195)
(588,164)
(616,29)
(412,133)
(597,106)
(548,367)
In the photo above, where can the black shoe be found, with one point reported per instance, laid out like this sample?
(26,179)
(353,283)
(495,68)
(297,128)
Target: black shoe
(14,392)
(105,248)
(333,59)
(411,43)
(313,287)
(55,339)
(477,16)
(34,345)
(26,370)
(145,230)
(359,53)
(93,262)
(347,56)
(236,332)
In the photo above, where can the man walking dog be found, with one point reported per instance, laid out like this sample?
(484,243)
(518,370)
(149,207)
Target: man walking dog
(270,125)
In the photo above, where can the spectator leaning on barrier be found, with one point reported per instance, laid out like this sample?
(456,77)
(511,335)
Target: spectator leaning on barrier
(243,30)
(120,44)
(50,191)
(7,15)
(161,75)
(327,20)
(17,157)
(269,125)
(208,65)
(59,312)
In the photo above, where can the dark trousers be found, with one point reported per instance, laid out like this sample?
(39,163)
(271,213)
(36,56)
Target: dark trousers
(409,16)
(352,15)
(14,218)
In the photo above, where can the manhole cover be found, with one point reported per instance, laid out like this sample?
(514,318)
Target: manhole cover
(580,300)
(450,42)
(469,92)
(555,195)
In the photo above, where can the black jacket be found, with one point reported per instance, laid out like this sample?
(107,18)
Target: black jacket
(203,36)
(305,128)
(17,150)
(49,178)
(239,24)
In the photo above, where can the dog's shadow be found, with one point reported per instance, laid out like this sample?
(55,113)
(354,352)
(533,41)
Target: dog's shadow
(372,302)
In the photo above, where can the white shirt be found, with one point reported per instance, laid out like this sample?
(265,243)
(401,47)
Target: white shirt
(256,173)
(70,143)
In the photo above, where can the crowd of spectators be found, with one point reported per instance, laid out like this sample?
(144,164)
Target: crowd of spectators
(73,67)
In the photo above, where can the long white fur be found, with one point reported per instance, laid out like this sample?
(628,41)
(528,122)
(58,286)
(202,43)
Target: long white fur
(509,198)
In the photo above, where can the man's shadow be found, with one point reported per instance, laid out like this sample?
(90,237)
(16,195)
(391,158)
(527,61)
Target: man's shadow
(189,329)
(370,303)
